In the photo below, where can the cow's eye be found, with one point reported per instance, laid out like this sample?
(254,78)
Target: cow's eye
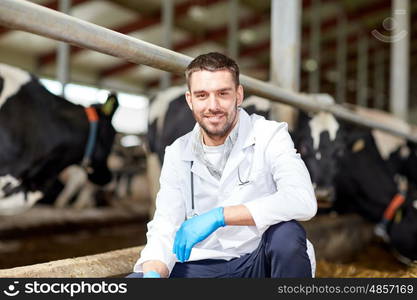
(303,150)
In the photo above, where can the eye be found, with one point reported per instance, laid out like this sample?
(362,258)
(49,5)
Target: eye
(224,93)
(200,96)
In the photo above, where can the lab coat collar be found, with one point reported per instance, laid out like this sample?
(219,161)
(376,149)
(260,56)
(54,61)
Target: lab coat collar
(245,137)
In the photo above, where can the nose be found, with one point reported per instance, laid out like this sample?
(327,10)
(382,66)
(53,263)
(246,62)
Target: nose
(213,102)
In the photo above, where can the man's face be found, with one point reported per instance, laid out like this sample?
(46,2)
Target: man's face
(213,98)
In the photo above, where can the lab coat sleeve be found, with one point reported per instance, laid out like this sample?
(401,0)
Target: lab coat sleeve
(169,215)
(294,198)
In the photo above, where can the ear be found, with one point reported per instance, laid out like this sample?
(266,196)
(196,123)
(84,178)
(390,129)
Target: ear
(188,98)
(240,95)
(110,106)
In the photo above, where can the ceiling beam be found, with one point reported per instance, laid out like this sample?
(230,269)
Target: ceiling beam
(249,51)
(139,24)
(211,35)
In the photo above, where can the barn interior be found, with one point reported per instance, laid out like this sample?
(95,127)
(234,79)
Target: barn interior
(360,52)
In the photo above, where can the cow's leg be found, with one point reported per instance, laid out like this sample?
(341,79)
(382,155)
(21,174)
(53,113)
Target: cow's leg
(77,177)
(18,203)
(7,184)
(86,197)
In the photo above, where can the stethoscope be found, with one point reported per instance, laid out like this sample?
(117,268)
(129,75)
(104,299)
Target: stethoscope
(241,183)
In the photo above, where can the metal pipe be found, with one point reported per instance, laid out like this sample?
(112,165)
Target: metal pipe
(285,54)
(167,23)
(362,72)
(341,58)
(30,17)
(233,29)
(63,52)
(315,37)
(400,51)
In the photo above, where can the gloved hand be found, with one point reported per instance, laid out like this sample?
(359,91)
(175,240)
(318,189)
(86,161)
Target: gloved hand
(151,274)
(195,230)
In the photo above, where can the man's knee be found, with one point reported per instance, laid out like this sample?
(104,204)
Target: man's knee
(285,239)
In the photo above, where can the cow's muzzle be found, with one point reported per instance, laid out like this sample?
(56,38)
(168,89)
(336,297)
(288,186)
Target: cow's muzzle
(324,196)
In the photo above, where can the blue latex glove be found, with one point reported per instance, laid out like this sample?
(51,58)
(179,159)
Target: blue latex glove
(151,274)
(195,230)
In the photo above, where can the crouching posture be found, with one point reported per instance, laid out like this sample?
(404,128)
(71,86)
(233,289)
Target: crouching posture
(231,190)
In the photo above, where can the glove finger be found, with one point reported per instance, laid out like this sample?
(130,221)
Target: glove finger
(177,241)
(175,246)
(187,251)
(181,251)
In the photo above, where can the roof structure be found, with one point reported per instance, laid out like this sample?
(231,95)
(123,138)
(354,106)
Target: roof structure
(201,26)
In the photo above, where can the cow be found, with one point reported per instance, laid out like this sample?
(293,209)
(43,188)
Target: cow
(41,134)
(353,173)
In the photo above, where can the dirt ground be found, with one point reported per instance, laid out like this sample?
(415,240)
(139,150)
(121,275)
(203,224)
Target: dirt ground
(374,261)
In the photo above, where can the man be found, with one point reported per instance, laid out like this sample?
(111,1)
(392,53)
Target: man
(230,190)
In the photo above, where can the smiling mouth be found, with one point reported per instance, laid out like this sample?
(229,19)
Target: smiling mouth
(215,118)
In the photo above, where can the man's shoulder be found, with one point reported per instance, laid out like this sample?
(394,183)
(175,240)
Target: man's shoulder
(264,128)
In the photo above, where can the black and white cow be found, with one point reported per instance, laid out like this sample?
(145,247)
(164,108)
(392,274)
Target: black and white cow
(354,173)
(40,135)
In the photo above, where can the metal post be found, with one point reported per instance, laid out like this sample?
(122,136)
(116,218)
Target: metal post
(167,23)
(400,44)
(379,78)
(233,29)
(362,72)
(63,52)
(315,37)
(285,52)
(341,58)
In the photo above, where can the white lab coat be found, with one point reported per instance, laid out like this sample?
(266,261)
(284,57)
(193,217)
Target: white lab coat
(279,189)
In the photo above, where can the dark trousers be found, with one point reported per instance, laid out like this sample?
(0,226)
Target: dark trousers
(282,252)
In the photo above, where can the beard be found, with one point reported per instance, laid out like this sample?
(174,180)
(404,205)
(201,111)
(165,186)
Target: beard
(221,128)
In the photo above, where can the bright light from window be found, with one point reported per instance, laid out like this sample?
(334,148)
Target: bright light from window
(79,94)
(131,116)
(132,101)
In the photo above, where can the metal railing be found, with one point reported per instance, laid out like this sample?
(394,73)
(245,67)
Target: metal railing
(30,17)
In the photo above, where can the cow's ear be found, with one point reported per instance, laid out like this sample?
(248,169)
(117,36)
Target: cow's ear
(110,106)
(358,145)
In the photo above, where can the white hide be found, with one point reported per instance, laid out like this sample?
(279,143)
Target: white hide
(385,142)
(160,104)
(17,203)
(321,122)
(13,78)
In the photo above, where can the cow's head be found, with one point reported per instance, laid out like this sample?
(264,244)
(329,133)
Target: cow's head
(99,172)
(403,161)
(403,230)
(364,184)
(320,142)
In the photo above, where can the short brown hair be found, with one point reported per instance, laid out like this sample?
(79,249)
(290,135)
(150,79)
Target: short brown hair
(213,61)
